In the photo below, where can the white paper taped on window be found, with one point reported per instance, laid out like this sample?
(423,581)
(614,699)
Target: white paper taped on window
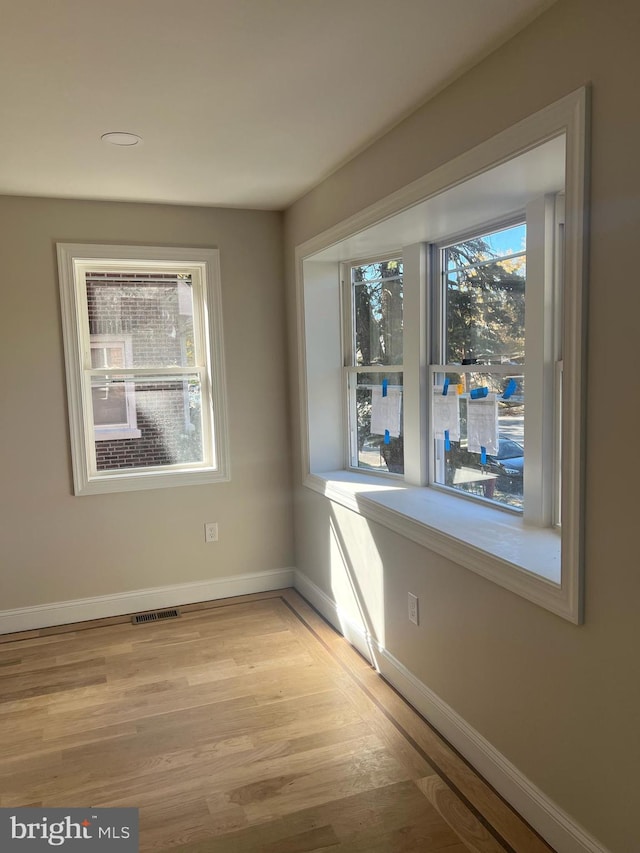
(386,412)
(446,413)
(482,424)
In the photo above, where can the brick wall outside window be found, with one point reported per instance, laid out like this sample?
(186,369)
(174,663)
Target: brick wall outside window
(152,313)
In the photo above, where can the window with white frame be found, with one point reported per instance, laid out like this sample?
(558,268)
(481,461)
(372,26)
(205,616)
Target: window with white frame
(373,364)
(478,295)
(495,324)
(481,387)
(144,357)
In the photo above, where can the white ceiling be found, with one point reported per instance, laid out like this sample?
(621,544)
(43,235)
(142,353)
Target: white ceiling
(239,102)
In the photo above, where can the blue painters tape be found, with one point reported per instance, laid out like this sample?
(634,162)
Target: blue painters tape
(445,387)
(447,442)
(511,387)
(483,455)
(385,383)
(477,393)
(387,437)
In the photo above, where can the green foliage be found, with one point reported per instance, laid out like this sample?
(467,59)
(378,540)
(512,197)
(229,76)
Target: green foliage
(378,339)
(378,313)
(485,304)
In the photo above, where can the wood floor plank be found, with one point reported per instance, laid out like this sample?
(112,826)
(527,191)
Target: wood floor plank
(478,793)
(246,725)
(388,819)
(464,823)
(53,679)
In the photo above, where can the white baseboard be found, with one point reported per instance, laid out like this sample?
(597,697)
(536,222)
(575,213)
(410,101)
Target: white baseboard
(120,603)
(356,634)
(557,827)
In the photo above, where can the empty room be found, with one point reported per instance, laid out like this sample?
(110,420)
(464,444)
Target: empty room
(317,518)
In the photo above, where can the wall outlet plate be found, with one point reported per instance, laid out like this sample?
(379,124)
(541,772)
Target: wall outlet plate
(413,608)
(211,531)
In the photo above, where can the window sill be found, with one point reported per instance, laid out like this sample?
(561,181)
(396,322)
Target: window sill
(133,480)
(117,434)
(494,544)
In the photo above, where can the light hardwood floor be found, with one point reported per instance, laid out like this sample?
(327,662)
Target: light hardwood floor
(245,725)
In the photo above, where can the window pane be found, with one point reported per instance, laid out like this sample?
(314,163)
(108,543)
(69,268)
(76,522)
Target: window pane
(377,413)
(484,294)
(151,312)
(163,415)
(105,354)
(500,475)
(109,405)
(377,295)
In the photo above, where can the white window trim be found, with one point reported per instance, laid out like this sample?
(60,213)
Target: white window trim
(204,263)
(532,562)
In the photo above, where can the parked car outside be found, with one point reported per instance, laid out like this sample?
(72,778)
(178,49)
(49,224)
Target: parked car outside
(509,461)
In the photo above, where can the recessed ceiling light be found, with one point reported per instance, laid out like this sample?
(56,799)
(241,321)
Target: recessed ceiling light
(119,138)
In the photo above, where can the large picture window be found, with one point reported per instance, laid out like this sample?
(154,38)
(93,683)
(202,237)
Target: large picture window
(146,397)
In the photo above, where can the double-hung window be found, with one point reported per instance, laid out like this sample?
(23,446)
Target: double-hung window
(477,375)
(491,328)
(496,364)
(373,364)
(144,358)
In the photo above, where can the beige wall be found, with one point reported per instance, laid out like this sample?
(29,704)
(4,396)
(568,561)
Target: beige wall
(54,546)
(561,702)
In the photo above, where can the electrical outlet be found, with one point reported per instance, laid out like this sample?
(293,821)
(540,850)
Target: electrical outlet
(211,531)
(413,608)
